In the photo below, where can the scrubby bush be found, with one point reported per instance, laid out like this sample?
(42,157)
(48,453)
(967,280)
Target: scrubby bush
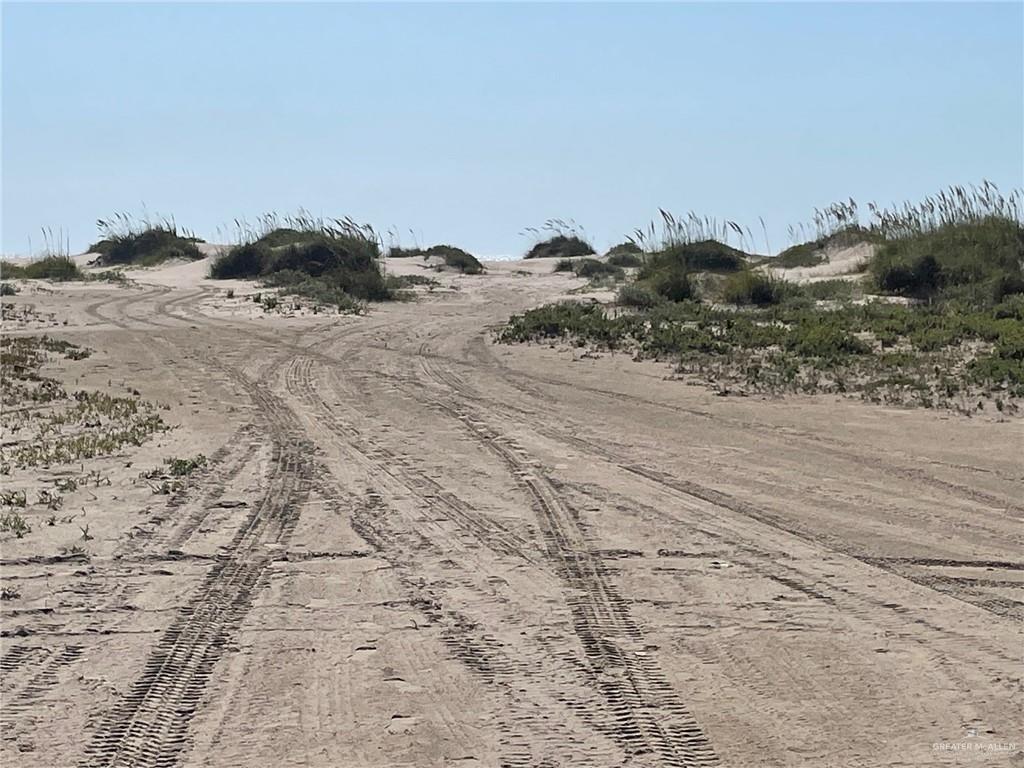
(591,268)
(243,261)
(627,247)
(671,282)
(52,267)
(8,289)
(397,252)
(1007,284)
(920,278)
(750,287)
(625,259)
(564,265)
(637,295)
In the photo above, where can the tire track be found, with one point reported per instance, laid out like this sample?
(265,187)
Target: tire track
(16,714)
(997,606)
(527,384)
(640,710)
(490,533)
(149,726)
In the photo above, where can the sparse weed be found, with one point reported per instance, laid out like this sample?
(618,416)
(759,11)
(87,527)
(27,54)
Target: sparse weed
(12,522)
(183,467)
(13,498)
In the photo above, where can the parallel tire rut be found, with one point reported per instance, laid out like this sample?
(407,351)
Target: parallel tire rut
(149,727)
(648,715)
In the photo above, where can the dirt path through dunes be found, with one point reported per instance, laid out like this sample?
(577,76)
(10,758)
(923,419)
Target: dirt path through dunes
(410,546)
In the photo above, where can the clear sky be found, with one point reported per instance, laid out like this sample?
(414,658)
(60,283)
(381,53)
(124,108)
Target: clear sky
(467,123)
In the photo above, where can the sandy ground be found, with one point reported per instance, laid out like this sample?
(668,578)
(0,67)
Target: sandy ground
(414,547)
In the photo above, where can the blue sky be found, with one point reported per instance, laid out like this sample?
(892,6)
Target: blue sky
(467,123)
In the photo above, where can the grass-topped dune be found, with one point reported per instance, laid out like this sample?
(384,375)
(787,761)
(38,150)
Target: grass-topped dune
(560,247)
(126,241)
(449,255)
(558,239)
(332,262)
(935,318)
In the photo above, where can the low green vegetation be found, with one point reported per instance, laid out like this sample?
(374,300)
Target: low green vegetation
(15,523)
(953,340)
(46,425)
(670,271)
(60,267)
(182,467)
(638,296)
(977,260)
(948,357)
(750,287)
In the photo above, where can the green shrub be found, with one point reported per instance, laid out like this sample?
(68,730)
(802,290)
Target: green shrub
(824,339)
(591,268)
(8,289)
(1007,284)
(920,278)
(397,252)
(638,295)
(625,259)
(183,467)
(750,287)
(978,258)
(564,265)
(53,267)
(560,246)
(624,249)
(671,282)
(242,261)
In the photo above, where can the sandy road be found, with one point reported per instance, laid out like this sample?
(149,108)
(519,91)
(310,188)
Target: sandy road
(414,547)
